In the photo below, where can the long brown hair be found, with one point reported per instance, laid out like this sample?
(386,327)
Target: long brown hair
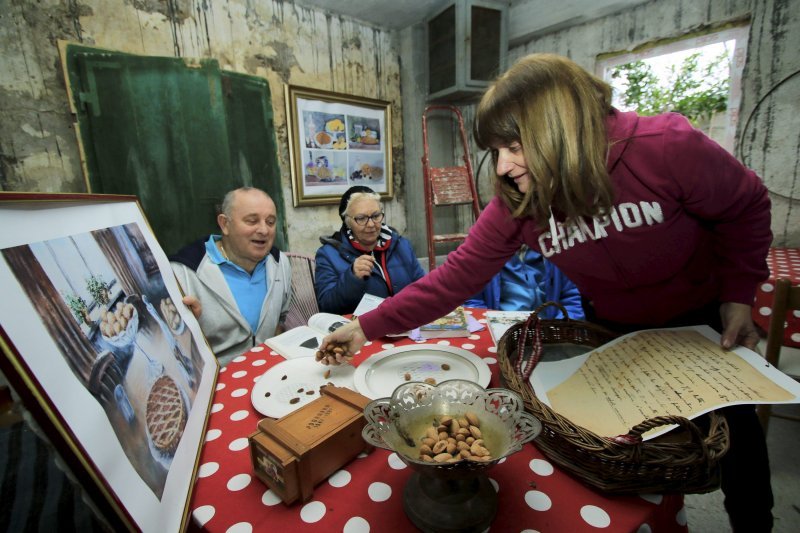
(556,111)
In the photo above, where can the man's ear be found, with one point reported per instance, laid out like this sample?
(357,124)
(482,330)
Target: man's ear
(222,222)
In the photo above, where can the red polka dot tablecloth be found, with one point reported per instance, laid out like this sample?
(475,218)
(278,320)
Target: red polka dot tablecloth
(783,263)
(367,493)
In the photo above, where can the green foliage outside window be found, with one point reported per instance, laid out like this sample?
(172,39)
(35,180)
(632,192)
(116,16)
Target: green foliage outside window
(695,91)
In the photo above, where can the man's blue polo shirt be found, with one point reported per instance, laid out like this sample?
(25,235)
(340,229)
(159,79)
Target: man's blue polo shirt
(249,290)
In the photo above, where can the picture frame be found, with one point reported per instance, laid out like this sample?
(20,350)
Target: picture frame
(118,377)
(337,141)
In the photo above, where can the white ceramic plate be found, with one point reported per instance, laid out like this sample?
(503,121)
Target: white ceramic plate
(294,378)
(379,375)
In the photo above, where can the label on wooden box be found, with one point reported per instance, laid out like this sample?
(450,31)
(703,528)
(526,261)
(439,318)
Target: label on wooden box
(294,453)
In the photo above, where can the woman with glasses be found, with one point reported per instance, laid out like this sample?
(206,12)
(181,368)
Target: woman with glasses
(365,256)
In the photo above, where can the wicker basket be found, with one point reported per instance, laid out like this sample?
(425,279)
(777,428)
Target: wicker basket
(680,462)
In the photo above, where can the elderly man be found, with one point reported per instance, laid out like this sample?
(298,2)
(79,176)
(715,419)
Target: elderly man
(237,283)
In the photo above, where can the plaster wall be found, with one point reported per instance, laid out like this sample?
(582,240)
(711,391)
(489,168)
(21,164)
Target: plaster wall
(273,39)
(767,136)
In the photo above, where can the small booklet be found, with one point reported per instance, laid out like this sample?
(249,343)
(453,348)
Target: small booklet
(500,321)
(457,323)
(304,341)
(453,324)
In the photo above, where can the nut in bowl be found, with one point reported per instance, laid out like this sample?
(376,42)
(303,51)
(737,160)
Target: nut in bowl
(120,326)
(401,424)
(424,424)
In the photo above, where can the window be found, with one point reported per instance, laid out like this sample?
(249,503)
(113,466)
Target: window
(704,98)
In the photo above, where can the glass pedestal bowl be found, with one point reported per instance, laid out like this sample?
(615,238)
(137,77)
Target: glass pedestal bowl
(449,496)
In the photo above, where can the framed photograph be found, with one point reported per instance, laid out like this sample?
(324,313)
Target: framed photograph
(112,367)
(337,141)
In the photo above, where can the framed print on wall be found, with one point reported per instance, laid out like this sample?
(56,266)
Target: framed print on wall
(337,141)
(94,339)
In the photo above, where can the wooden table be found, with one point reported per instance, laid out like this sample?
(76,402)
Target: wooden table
(367,494)
(783,263)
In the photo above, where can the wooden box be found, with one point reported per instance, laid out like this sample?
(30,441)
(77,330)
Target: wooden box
(291,455)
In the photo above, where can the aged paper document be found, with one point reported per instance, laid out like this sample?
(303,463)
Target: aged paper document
(681,371)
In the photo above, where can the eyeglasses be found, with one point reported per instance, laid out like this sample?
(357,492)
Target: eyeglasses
(361,220)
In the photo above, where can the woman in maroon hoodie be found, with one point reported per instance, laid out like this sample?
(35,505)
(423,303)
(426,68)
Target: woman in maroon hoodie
(656,224)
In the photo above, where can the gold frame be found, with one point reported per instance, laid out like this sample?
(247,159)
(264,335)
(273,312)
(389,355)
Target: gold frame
(337,141)
(61,367)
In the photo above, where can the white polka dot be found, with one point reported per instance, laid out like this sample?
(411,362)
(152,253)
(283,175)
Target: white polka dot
(495,484)
(220,386)
(796,313)
(213,434)
(239,481)
(529,531)
(538,500)
(489,360)
(474,337)
(541,467)
(387,346)
(239,393)
(223,369)
(644,528)
(444,343)
(492,349)
(239,359)
(270,498)
(395,462)
(241,527)
(379,492)
(207,469)
(340,478)
(356,525)
(312,512)
(217,407)
(255,379)
(238,444)
(767,287)
(362,455)
(501,461)
(655,499)
(239,415)
(680,518)
(259,362)
(795,337)
(595,516)
(239,373)
(764,311)
(468,346)
(273,353)
(368,343)
(257,349)
(203,514)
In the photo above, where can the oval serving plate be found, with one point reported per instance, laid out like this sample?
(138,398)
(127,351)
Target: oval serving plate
(380,374)
(300,378)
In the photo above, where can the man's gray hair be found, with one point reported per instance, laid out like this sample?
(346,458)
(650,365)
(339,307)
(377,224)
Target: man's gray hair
(227,202)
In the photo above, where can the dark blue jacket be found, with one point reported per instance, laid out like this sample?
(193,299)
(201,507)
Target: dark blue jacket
(555,286)
(339,290)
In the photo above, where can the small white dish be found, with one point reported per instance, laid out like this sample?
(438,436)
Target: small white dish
(297,380)
(379,375)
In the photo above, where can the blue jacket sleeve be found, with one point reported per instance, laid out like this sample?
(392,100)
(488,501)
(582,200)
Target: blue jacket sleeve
(566,293)
(338,289)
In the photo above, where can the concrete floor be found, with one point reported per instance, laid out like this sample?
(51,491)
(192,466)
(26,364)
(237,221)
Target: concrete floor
(705,512)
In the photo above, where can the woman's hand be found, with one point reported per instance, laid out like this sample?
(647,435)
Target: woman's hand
(737,326)
(350,336)
(362,266)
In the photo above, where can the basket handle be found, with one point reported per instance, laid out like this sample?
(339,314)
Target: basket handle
(634,436)
(548,304)
(525,367)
